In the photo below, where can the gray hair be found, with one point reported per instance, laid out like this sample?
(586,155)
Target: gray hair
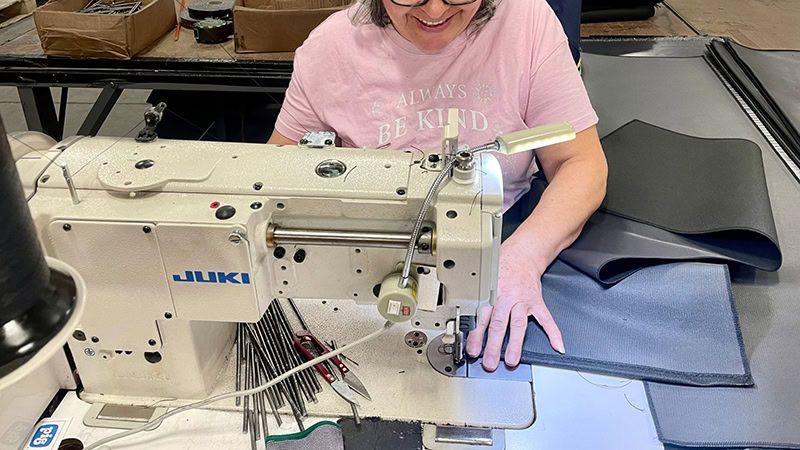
(373,11)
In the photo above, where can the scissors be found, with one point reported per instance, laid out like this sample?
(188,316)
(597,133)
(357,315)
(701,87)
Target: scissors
(308,344)
(348,386)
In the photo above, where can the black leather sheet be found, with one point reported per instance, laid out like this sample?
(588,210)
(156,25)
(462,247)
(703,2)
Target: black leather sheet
(778,72)
(692,199)
(766,81)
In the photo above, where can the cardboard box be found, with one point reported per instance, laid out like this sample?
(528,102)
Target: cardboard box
(12,11)
(66,32)
(278,25)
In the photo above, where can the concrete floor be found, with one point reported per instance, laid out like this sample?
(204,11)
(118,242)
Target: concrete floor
(124,117)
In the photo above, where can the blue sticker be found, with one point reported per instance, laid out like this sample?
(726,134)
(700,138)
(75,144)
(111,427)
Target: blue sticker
(44,436)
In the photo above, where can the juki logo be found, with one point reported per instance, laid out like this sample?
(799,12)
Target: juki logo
(197,276)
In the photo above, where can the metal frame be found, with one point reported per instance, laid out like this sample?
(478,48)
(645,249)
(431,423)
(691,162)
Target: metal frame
(100,110)
(39,110)
(34,76)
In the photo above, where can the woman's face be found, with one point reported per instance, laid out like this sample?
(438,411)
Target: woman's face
(432,26)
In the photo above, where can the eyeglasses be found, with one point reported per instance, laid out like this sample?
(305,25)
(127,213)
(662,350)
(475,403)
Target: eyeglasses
(418,3)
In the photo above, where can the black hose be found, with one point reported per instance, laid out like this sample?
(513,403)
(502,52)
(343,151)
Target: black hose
(32,306)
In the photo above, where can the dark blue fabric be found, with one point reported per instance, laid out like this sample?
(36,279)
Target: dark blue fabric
(673,323)
(569,13)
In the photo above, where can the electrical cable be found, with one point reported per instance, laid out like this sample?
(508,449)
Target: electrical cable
(199,404)
(423,210)
(449,162)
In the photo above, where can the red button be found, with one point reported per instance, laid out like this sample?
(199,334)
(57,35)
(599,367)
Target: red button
(405,310)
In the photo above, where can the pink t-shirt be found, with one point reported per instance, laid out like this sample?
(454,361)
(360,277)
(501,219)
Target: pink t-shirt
(375,89)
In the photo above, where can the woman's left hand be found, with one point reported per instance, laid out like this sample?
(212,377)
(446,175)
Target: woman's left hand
(577,173)
(519,295)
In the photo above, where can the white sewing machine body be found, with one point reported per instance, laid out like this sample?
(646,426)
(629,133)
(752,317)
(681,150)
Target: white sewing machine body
(170,268)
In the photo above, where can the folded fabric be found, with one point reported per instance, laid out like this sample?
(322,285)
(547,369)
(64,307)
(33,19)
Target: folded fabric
(778,71)
(611,248)
(674,323)
(693,199)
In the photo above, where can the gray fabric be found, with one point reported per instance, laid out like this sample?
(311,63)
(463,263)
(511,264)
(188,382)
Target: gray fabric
(686,96)
(711,191)
(322,437)
(674,323)
(778,71)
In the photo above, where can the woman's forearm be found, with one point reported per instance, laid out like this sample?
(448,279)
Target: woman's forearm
(577,172)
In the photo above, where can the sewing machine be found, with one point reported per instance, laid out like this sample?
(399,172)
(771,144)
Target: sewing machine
(179,241)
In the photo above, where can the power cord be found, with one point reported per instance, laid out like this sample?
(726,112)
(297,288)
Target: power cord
(199,404)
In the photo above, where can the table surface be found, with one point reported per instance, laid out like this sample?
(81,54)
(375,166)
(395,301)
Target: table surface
(608,413)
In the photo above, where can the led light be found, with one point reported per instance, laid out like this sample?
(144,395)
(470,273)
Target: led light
(531,139)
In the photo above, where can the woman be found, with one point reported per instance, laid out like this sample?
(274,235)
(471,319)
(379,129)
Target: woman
(382,75)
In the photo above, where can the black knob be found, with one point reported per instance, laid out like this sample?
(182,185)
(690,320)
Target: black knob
(144,164)
(225,212)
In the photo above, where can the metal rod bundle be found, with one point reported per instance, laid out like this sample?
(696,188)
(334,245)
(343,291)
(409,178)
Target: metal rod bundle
(99,7)
(265,350)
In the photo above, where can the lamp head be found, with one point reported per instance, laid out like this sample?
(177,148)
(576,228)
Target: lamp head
(533,138)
